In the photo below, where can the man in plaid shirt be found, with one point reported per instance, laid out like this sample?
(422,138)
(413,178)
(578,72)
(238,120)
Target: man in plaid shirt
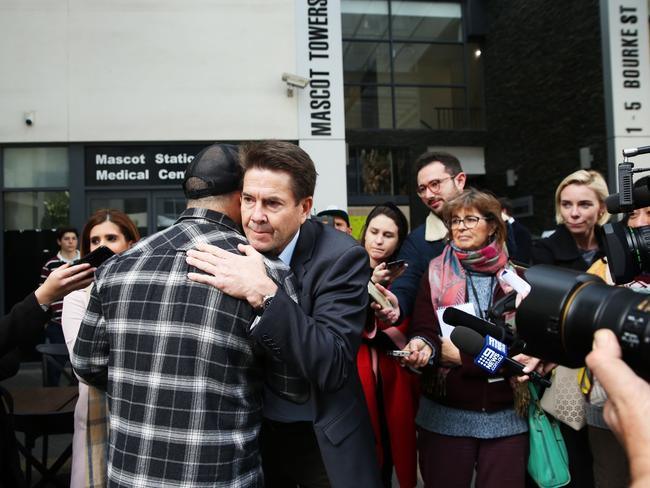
(182,373)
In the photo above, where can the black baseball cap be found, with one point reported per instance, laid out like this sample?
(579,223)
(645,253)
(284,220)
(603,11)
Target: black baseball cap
(335,211)
(218,167)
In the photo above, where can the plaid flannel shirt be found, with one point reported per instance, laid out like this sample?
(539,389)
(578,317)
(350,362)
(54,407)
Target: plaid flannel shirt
(182,374)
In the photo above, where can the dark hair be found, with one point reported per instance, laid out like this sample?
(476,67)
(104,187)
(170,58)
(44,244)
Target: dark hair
(61,231)
(449,161)
(119,218)
(282,156)
(392,211)
(487,205)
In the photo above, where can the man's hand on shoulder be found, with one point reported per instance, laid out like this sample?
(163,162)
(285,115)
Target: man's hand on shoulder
(240,276)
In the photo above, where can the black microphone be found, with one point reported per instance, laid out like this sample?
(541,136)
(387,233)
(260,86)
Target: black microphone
(454,316)
(640,197)
(470,342)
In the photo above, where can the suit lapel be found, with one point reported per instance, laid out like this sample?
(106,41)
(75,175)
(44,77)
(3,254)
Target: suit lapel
(304,249)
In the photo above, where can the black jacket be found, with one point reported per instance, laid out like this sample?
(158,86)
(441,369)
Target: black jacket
(560,249)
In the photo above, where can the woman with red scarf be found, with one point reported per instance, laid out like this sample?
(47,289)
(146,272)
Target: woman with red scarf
(390,389)
(466,418)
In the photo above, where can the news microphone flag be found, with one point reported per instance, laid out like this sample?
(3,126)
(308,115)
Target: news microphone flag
(492,355)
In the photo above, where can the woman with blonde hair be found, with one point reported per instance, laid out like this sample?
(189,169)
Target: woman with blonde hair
(579,211)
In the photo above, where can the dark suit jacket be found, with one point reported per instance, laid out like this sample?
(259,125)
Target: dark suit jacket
(319,337)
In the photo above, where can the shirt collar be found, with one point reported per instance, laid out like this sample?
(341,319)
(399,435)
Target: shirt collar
(287,254)
(434,229)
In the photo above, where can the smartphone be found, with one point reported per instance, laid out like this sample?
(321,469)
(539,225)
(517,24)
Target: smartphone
(395,265)
(377,296)
(97,257)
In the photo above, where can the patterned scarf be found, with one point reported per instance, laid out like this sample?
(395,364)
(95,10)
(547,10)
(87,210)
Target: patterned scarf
(447,274)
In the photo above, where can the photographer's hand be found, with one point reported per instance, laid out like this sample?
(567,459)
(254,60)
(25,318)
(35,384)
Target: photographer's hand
(627,405)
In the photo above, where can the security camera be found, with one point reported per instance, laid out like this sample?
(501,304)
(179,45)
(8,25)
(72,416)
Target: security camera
(29,118)
(294,81)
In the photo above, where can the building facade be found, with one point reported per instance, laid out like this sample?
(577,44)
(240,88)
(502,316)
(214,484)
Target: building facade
(102,104)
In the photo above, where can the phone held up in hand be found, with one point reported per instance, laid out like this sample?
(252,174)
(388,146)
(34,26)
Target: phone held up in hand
(378,296)
(396,265)
(96,258)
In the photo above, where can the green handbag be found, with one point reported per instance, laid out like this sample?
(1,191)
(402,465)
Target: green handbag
(548,462)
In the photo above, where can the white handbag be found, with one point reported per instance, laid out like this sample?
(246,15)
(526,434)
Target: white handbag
(564,400)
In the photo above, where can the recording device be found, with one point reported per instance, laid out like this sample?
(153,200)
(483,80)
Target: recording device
(628,198)
(395,265)
(97,257)
(564,309)
(628,249)
(490,354)
(325,219)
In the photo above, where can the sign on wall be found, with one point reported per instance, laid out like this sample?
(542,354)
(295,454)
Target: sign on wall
(138,165)
(321,117)
(626,62)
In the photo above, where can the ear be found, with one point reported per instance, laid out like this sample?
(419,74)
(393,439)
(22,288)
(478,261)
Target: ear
(459,180)
(306,205)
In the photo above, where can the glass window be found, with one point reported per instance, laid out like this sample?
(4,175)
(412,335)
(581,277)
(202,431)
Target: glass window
(379,171)
(430,108)
(426,21)
(364,19)
(368,107)
(418,64)
(167,211)
(366,62)
(36,210)
(417,70)
(27,167)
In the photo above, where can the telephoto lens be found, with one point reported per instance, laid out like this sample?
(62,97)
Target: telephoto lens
(564,308)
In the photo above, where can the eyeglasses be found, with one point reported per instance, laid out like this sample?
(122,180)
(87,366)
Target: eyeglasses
(433,186)
(470,222)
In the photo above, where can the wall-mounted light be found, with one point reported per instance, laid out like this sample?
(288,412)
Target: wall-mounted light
(29,118)
(477,53)
(294,81)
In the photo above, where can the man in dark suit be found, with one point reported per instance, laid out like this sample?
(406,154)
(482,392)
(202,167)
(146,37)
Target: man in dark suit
(326,441)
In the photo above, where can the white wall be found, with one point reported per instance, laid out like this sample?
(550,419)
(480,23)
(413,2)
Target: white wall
(145,70)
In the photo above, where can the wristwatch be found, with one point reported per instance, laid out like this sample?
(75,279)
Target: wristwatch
(266,301)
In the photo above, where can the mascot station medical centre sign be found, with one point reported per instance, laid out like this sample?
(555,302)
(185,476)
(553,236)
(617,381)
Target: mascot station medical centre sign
(138,165)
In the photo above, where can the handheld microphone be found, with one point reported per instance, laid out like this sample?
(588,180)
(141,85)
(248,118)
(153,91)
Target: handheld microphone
(454,316)
(490,354)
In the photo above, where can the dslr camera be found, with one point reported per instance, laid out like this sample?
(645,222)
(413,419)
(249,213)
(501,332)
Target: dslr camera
(564,308)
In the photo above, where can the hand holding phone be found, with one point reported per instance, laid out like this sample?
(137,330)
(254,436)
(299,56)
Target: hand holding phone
(378,296)
(97,257)
(394,266)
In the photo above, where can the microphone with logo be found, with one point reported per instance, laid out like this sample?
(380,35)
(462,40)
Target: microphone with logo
(458,317)
(491,354)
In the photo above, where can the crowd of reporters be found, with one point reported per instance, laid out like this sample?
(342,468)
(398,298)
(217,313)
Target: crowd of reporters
(433,406)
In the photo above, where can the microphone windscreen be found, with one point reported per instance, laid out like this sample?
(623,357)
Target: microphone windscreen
(467,340)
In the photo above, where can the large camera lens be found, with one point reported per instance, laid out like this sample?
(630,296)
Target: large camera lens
(628,251)
(564,309)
